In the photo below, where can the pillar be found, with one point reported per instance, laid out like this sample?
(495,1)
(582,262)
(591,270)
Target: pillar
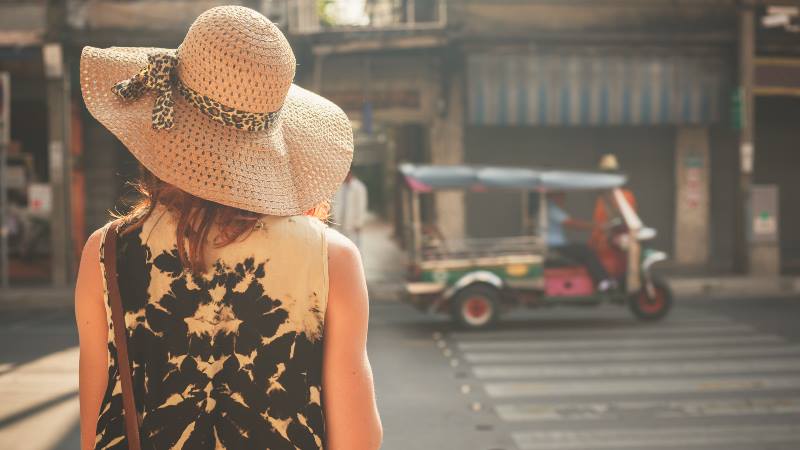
(747,50)
(447,147)
(58,122)
(692,181)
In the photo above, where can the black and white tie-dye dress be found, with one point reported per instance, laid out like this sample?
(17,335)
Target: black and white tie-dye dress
(231,359)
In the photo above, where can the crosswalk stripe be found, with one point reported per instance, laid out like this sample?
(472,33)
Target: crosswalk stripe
(584,333)
(666,409)
(632,355)
(619,343)
(672,385)
(705,367)
(742,436)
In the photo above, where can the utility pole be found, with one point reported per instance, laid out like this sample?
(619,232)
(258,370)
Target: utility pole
(58,120)
(747,50)
(5,138)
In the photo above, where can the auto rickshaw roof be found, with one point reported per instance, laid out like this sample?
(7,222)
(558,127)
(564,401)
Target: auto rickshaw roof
(427,178)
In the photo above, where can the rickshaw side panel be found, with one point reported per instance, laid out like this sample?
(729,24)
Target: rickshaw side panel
(444,283)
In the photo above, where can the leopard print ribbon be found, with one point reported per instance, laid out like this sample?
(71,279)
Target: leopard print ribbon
(157,76)
(160,76)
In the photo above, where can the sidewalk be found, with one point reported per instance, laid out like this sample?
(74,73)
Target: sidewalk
(735,286)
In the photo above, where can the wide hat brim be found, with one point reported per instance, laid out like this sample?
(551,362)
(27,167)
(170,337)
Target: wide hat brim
(295,165)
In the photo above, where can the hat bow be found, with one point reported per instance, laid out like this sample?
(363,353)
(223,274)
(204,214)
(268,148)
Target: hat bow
(157,77)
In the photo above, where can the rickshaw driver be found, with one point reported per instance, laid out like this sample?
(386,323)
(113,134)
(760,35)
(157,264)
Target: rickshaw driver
(604,210)
(557,219)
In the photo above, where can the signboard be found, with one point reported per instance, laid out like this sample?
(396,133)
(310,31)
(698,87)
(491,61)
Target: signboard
(777,76)
(694,181)
(764,213)
(40,199)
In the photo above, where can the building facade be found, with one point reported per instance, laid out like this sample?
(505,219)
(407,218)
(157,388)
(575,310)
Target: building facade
(505,82)
(559,84)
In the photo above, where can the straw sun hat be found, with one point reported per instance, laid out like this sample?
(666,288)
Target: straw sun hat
(220,118)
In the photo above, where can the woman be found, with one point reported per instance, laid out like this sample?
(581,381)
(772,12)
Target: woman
(245,317)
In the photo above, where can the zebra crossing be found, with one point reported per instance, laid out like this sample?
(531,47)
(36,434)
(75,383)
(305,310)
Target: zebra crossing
(692,382)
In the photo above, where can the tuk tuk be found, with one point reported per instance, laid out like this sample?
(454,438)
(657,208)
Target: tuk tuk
(477,279)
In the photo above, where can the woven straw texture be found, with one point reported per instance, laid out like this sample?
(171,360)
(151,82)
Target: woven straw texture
(237,57)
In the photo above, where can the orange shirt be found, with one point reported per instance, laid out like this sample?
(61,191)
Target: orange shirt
(599,239)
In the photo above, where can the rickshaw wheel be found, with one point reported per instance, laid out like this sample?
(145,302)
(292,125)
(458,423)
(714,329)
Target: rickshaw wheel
(475,306)
(650,309)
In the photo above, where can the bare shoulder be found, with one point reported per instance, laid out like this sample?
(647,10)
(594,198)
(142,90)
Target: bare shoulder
(92,245)
(89,275)
(348,286)
(341,250)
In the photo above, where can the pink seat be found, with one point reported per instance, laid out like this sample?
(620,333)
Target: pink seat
(568,282)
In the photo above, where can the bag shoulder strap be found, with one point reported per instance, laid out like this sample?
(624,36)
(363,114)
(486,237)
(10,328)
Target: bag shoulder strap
(132,419)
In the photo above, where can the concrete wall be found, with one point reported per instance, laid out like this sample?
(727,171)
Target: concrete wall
(513,17)
(724,187)
(692,196)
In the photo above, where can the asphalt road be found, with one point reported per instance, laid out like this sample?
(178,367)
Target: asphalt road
(714,375)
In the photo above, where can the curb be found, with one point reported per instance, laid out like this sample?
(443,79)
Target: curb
(735,287)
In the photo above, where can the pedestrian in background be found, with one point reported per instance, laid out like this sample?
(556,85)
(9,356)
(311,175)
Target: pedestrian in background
(221,312)
(350,208)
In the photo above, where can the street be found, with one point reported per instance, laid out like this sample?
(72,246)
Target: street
(715,375)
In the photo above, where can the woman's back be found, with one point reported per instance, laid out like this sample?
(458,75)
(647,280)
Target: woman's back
(228,359)
(235,358)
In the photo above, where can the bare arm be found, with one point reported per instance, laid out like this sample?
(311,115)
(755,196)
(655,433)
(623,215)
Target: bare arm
(579,224)
(351,414)
(90,315)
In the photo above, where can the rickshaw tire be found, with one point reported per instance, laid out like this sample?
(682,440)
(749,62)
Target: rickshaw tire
(641,311)
(486,293)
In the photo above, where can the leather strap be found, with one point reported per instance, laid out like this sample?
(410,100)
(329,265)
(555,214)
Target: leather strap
(132,418)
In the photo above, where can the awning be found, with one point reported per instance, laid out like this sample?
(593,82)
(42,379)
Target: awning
(593,89)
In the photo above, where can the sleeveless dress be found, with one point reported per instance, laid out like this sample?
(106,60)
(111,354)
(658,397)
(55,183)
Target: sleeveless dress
(230,359)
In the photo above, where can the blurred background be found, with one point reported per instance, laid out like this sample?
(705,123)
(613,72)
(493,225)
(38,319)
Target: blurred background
(699,101)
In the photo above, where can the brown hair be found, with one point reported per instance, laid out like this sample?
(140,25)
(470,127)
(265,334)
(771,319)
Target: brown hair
(195,218)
